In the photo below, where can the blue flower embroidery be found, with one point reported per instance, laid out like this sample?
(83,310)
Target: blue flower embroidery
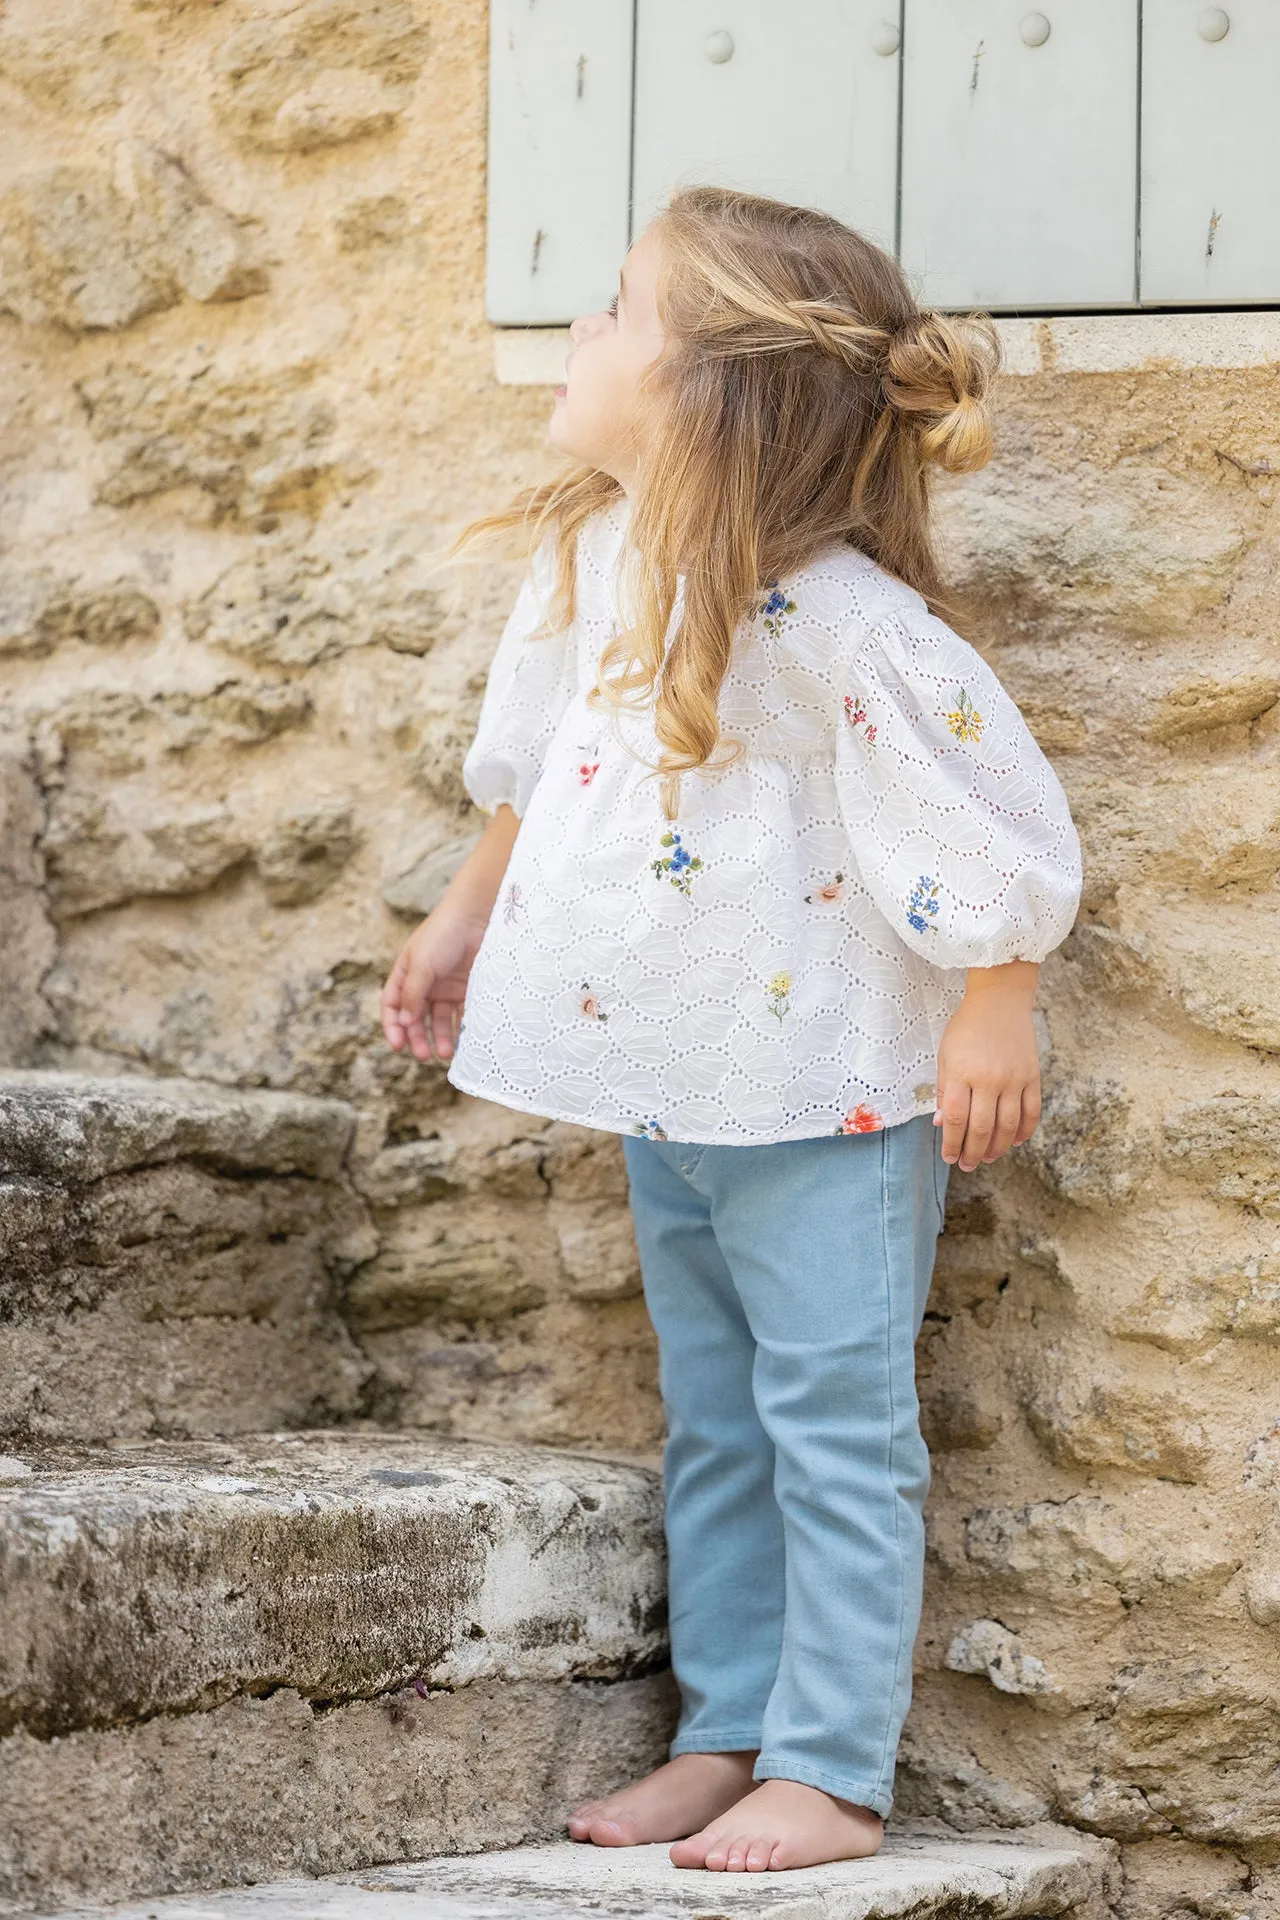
(678,866)
(650,1130)
(922,900)
(775,608)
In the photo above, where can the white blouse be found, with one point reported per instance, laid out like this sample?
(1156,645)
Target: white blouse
(781,960)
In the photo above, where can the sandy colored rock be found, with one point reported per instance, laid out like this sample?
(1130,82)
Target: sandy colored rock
(335,1564)
(259,1788)
(328,72)
(1198,706)
(1142,549)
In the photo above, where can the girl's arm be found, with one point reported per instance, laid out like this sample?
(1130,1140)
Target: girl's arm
(989,1067)
(430,974)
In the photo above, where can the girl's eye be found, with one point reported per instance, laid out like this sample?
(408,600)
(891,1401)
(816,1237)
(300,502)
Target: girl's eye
(613,306)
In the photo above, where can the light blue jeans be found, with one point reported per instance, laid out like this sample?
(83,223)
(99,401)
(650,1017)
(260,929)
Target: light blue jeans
(787,1284)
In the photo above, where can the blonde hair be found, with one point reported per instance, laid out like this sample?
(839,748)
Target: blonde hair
(800,398)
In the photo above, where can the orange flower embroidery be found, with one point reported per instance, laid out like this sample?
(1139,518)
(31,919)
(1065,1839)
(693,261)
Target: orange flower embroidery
(861,1119)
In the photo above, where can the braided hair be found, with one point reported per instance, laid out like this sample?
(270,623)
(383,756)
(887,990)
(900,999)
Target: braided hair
(801,399)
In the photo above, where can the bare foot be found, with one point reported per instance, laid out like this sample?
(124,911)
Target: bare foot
(781,1824)
(674,1800)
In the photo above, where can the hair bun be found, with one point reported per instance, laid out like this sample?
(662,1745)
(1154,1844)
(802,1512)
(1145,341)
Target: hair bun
(940,369)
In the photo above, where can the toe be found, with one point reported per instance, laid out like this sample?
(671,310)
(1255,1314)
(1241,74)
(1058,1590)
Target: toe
(716,1858)
(736,1858)
(613,1831)
(758,1855)
(689,1853)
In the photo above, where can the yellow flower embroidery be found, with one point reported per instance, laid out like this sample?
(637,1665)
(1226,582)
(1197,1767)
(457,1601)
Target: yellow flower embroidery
(964,720)
(779,992)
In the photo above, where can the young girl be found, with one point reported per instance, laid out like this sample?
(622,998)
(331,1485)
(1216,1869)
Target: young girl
(774,858)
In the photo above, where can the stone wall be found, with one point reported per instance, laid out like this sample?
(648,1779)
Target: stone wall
(248,387)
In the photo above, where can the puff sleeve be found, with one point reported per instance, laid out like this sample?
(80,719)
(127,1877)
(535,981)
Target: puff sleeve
(956,821)
(530,685)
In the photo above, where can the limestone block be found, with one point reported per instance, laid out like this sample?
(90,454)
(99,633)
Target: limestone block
(1086,1417)
(598,1251)
(121,732)
(1222,829)
(29,936)
(174,1254)
(209,253)
(1130,546)
(305,851)
(468,1269)
(1200,705)
(1228,979)
(1186,1313)
(293,607)
(272,1786)
(583,1163)
(956,1788)
(420,868)
(447,1166)
(437,763)
(1087,1551)
(327,72)
(254,442)
(75,254)
(987,1647)
(99,857)
(954,1418)
(1229,1145)
(77,1127)
(78,253)
(338,1563)
(41,612)
(1087,1148)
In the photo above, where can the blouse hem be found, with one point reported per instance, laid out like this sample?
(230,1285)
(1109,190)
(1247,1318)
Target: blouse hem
(629,1128)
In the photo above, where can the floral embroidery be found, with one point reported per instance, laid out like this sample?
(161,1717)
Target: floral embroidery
(779,994)
(774,609)
(861,1119)
(587,771)
(678,866)
(589,1005)
(922,900)
(926,1093)
(650,1129)
(829,892)
(856,714)
(512,902)
(964,720)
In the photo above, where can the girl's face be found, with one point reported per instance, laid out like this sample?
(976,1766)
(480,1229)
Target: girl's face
(597,415)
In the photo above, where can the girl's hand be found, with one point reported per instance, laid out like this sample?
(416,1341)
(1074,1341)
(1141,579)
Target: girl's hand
(426,988)
(429,978)
(989,1067)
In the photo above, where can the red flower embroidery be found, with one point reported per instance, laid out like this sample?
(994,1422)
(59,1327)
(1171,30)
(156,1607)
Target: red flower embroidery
(861,1119)
(587,771)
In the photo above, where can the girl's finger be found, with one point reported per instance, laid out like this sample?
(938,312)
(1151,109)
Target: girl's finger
(1030,1113)
(982,1117)
(392,1025)
(954,1108)
(1008,1116)
(442,1012)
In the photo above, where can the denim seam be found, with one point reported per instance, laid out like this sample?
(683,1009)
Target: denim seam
(857,1791)
(897,1529)
(734,1741)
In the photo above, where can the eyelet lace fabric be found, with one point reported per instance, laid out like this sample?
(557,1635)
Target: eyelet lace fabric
(781,960)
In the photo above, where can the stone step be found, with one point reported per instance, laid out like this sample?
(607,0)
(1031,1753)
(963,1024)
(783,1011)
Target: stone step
(916,1874)
(221,1661)
(175,1252)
